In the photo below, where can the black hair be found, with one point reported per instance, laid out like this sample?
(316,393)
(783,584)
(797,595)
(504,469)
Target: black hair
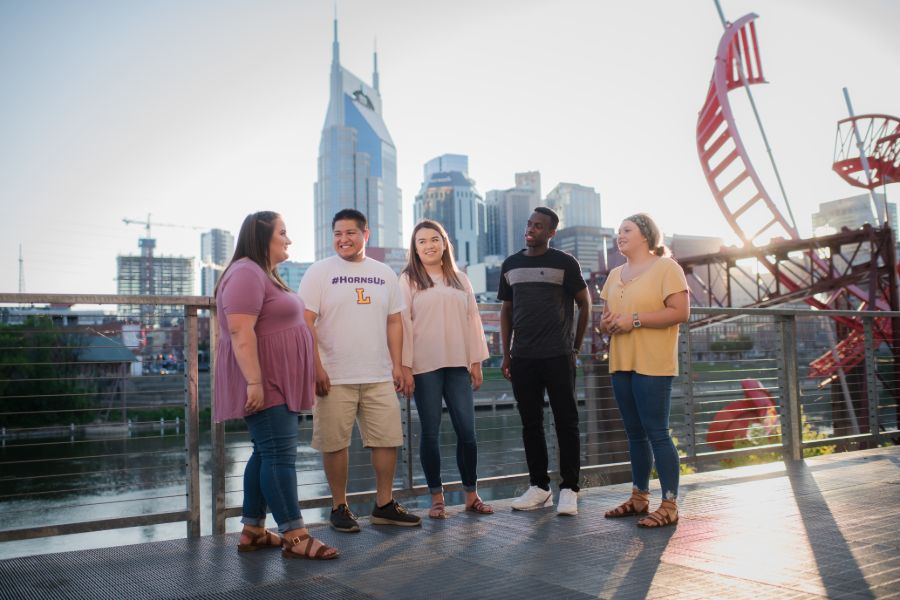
(549,212)
(351,214)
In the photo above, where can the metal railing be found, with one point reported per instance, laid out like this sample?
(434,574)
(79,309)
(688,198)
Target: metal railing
(744,393)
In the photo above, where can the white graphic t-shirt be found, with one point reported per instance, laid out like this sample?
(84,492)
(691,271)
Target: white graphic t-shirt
(352,301)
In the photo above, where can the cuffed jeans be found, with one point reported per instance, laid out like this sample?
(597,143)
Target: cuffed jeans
(453,384)
(530,377)
(270,477)
(644,402)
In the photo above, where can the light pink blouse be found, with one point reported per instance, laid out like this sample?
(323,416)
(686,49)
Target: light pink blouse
(284,343)
(441,326)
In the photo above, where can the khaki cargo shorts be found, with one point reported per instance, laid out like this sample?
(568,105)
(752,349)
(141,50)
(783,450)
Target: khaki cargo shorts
(374,405)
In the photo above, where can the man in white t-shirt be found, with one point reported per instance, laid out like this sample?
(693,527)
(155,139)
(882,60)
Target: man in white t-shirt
(353,306)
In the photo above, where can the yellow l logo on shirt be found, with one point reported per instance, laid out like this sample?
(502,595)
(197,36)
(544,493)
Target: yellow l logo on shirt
(361,297)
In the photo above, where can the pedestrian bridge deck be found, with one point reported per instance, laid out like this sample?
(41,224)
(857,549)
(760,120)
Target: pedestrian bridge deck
(828,527)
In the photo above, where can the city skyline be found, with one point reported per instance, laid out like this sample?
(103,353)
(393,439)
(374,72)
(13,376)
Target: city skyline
(200,113)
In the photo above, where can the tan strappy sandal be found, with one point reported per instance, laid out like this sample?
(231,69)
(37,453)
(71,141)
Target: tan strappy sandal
(665,515)
(290,544)
(638,504)
(260,541)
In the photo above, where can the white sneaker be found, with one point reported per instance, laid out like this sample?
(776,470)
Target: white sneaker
(533,498)
(568,502)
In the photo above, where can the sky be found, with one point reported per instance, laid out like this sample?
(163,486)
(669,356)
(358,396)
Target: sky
(199,112)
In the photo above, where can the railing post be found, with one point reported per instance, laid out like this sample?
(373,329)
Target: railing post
(789,380)
(408,450)
(217,431)
(871,380)
(687,385)
(192,418)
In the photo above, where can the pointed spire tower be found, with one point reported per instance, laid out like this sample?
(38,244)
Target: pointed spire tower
(357,165)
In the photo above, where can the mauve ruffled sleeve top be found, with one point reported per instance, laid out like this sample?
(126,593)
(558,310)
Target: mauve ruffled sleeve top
(284,343)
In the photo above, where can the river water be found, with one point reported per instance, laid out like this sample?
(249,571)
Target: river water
(44,482)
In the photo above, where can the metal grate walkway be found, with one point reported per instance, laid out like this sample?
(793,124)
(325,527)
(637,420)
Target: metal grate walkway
(825,528)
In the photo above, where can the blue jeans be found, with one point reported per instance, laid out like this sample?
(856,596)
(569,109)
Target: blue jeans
(644,402)
(270,477)
(454,386)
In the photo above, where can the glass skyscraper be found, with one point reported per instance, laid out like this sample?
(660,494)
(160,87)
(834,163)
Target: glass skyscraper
(357,160)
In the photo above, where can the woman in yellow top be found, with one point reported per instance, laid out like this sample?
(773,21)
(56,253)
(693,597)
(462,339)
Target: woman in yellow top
(646,299)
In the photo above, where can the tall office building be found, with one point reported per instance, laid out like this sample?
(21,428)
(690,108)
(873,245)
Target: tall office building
(150,275)
(216,249)
(851,213)
(357,160)
(507,213)
(577,205)
(448,195)
(292,273)
(587,244)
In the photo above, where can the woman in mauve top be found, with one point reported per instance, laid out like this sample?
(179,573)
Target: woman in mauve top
(443,346)
(646,299)
(265,374)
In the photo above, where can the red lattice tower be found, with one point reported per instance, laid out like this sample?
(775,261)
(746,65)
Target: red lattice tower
(746,204)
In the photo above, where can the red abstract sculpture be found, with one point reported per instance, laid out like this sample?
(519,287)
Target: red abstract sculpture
(881,143)
(734,421)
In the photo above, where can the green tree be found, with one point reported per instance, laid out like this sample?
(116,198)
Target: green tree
(39,376)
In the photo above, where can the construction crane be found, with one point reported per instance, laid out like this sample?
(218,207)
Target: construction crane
(148,223)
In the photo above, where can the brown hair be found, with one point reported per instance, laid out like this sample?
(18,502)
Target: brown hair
(650,231)
(415,270)
(253,243)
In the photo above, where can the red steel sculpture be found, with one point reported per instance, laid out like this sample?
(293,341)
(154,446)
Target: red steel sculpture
(813,270)
(881,143)
(745,203)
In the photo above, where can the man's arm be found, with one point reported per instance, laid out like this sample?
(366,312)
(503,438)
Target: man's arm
(323,383)
(395,348)
(506,335)
(583,300)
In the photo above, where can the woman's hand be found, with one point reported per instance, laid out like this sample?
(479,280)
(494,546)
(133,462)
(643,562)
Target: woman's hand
(255,398)
(615,323)
(476,375)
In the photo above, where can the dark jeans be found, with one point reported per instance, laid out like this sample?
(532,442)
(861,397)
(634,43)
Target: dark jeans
(530,377)
(270,477)
(454,386)
(644,402)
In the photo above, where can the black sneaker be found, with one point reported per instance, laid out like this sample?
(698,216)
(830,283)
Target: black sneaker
(342,519)
(394,514)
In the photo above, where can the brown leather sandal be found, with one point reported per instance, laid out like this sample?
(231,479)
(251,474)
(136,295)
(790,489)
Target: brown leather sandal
(437,511)
(319,554)
(480,507)
(665,515)
(258,542)
(638,504)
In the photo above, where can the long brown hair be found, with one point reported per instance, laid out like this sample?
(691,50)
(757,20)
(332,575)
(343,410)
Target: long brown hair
(415,270)
(253,243)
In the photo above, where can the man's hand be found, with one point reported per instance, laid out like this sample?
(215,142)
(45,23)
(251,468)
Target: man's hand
(504,367)
(476,376)
(255,398)
(323,383)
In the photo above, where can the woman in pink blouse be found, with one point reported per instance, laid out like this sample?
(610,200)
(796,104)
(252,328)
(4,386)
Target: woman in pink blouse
(265,375)
(443,346)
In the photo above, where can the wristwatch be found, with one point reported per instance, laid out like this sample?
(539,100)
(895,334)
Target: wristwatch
(635,322)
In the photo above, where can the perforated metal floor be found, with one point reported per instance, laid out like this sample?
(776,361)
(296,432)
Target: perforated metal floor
(825,528)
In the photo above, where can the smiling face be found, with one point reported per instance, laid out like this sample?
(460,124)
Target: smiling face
(630,240)
(429,247)
(538,230)
(350,240)
(278,245)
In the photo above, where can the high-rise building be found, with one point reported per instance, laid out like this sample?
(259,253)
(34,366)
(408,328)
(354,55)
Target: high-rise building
(357,160)
(292,273)
(577,205)
(587,244)
(216,248)
(149,275)
(448,195)
(508,211)
(851,213)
